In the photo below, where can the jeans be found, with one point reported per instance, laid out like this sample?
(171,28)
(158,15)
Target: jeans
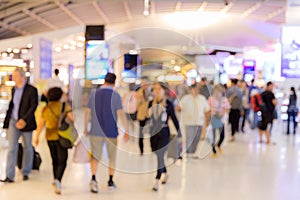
(222,136)
(193,134)
(292,116)
(13,137)
(245,117)
(141,135)
(255,120)
(59,157)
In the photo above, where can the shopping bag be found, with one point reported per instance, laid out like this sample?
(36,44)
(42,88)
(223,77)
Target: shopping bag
(82,150)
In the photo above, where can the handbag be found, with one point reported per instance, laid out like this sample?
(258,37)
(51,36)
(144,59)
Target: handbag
(66,133)
(82,150)
(216,121)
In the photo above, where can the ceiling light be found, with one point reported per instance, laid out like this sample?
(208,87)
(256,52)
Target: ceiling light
(11,55)
(73,42)
(173,62)
(4,54)
(72,47)
(58,49)
(29,46)
(66,46)
(81,38)
(177,68)
(16,50)
(80,44)
(9,50)
(27,74)
(24,51)
(192,19)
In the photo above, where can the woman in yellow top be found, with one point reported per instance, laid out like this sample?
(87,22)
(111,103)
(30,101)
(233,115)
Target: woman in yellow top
(50,119)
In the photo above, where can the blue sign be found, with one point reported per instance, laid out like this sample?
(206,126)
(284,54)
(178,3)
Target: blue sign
(96,59)
(290,60)
(45,59)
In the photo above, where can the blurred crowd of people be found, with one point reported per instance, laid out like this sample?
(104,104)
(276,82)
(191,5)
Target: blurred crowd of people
(192,109)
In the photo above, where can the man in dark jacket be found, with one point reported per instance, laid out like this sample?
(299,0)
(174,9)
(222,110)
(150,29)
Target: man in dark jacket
(20,121)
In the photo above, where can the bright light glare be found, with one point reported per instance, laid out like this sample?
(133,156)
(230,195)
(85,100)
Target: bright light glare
(192,20)
(177,68)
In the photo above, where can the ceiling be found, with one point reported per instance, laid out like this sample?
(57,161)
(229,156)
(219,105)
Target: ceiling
(19,18)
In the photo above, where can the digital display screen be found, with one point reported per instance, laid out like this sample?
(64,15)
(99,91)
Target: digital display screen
(249,69)
(131,63)
(290,60)
(96,59)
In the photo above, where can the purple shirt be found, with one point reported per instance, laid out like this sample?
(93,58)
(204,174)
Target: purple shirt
(17,101)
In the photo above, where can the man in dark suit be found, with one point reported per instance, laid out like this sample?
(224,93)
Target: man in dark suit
(20,121)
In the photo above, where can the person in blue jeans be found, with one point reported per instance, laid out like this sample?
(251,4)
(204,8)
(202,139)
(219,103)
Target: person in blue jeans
(20,121)
(292,111)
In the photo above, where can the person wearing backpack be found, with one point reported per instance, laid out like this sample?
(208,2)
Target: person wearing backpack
(255,104)
(160,110)
(234,95)
(50,119)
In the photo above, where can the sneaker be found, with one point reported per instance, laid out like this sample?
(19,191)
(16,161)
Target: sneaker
(164,178)
(57,187)
(155,186)
(7,180)
(220,150)
(94,186)
(214,155)
(25,178)
(111,185)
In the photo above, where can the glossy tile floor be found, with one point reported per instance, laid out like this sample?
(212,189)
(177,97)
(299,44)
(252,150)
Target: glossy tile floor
(246,170)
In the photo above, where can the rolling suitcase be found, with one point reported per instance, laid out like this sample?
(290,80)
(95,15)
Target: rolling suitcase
(36,158)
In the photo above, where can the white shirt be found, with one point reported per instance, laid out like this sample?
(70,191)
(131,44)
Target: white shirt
(55,82)
(193,109)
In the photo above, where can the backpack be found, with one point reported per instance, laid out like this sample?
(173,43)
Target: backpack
(257,103)
(235,102)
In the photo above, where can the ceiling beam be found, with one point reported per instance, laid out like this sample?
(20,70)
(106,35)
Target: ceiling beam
(251,10)
(39,19)
(203,6)
(127,10)
(178,6)
(13,28)
(227,8)
(68,12)
(274,14)
(100,12)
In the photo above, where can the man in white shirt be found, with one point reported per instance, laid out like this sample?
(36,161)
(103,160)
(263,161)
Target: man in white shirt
(51,83)
(55,82)
(194,112)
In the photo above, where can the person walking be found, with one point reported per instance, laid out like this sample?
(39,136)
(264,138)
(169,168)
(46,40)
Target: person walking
(160,110)
(234,95)
(292,111)
(106,106)
(219,106)
(51,114)
(20,121)
(269,103)
(129,103)
(195,110)
(245,104)
(142,114)
(256,103)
